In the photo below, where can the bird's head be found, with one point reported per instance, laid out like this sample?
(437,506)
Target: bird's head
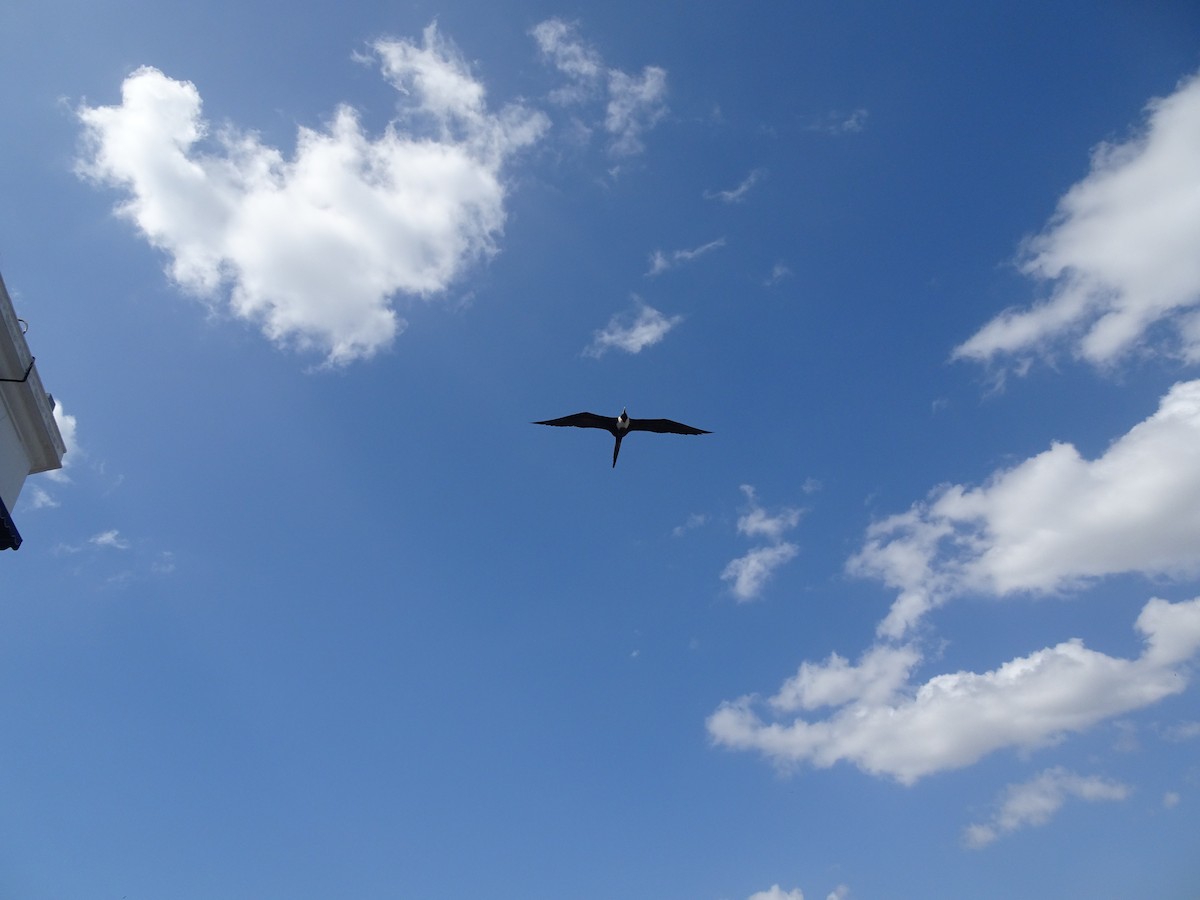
(623,417)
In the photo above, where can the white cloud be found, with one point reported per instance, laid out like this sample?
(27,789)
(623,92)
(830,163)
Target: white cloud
(560,44)
(695,520)
(738,194)
(110,539)
(1035,802)
(775,892)
(1119,253)
(1051,521)
(314,247)
(633,103)
(68,428)
(757,522)
(646,329)
(888,726)
(40,498)
(750,573)
(438,81)
(881,674)
(1170,800)
(660,262)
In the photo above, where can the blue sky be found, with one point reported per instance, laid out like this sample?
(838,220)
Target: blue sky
(313,610)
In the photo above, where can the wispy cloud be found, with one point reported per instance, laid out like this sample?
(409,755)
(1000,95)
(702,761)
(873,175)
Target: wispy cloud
(40,498)
(1051,521)
(563,48)
(1119,253)
(110,539)
(887,725)
(314,247)
(694,521)
(633,103)
(757,522)
(1181,731)
(775,892)
(1127,736)
(738,194)
(109,559)
(633,334)
(779,272)
(749,573)
(835,123)
(660,262)
(1035,802)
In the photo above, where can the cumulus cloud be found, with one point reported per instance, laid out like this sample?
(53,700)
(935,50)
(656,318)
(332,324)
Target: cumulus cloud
(661,262)
(1119,254)
(1035,802)
(633,104)
(738,194)
(1048,523)
(632,335)
(886,725)
(1051,521)
(748,574)
(314,247)
(881,674)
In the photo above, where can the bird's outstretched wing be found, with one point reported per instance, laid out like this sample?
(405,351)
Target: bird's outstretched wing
(584,420)
(664,426)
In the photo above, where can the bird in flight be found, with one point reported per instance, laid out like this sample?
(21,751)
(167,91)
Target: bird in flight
(621,425)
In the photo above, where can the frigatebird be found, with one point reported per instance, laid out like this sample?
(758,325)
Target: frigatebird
(621,425)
